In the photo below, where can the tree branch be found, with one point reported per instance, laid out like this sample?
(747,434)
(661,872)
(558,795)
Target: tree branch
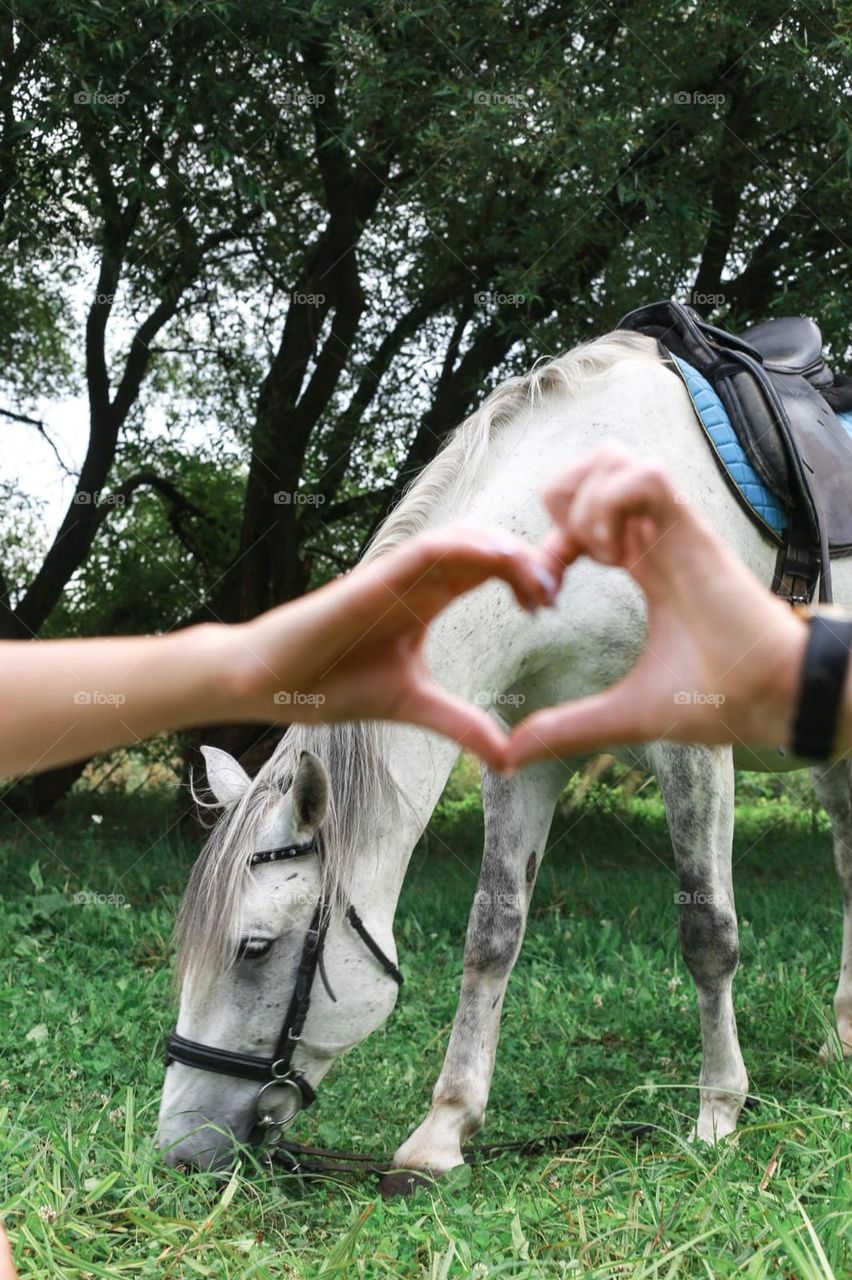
(41,428)
(122,493)
(353,506)
(338,455)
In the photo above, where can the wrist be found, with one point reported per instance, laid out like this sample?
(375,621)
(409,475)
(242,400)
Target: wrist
(821,721)
(244,680)
(212,655)
(259,664)
(786,677)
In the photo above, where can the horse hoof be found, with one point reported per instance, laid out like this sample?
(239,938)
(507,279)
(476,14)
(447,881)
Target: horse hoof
(835,1050)
(404,1182)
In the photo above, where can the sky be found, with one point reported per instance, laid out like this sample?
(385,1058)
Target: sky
(28,460)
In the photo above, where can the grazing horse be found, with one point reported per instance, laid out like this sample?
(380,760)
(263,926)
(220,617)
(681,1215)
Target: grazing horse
(270,952)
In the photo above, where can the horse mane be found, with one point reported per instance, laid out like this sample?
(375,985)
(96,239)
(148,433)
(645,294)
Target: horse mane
(360,783)
(209,922)
(453,473)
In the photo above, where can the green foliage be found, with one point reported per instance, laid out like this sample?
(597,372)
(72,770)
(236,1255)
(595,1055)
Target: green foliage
(599,1027)
(499,191)
(153,562)
(22,540)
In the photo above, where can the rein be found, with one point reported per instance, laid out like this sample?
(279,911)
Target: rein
(278,1072)
(318,1162)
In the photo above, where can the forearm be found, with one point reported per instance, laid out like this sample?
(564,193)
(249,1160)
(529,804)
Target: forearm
(63,700)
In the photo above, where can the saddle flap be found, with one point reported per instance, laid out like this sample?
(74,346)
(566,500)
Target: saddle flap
(769,381)
(789,342)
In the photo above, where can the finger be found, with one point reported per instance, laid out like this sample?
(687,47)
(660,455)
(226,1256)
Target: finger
(432,707)
(604,504)
(559,549)
(559,495)
(460,558)
(618,715)
(489,553)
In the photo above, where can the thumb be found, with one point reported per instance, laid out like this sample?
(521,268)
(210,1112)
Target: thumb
(618,715)
(432,707)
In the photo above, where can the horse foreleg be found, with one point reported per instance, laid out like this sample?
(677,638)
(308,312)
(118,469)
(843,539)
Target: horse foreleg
(518,812)
(834,788)
(698,788)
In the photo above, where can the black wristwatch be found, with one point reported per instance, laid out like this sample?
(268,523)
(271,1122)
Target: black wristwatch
(822,683)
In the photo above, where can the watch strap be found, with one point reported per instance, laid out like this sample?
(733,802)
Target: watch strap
(822,684)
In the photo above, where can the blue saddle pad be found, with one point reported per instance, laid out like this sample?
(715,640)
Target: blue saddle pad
(765,504)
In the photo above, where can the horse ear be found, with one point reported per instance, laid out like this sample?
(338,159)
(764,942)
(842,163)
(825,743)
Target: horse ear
(226,777)
(309,793)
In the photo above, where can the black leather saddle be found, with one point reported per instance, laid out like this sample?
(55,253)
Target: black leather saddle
(782,400)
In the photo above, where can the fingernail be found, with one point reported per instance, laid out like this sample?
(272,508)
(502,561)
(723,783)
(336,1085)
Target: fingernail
(547,580)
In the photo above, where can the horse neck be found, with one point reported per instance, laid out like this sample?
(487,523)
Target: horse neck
(420,764)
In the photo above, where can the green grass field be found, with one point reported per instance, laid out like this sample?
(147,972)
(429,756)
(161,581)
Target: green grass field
(599,1027)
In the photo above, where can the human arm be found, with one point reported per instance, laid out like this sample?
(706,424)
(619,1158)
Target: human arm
(351,650)
(7,1265)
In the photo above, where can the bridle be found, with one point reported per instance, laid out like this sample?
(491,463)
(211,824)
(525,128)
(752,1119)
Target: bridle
(278,1071)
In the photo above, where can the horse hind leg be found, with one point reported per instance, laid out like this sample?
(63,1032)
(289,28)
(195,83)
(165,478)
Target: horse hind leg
(834,787)
(518,813)
(698,788)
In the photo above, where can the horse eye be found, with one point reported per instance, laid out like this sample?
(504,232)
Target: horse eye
(253,948)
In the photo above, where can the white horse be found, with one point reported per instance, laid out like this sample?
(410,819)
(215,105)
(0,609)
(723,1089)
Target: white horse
(371,789)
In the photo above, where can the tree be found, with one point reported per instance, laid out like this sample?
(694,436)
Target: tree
(321,235)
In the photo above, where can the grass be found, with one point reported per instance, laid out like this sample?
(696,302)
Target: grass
(599,1027)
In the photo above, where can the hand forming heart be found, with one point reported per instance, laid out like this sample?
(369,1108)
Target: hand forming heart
(745,660)
(354,649)
(357,645)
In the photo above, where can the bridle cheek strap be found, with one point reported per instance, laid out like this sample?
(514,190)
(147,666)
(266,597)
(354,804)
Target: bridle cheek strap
(278,1070)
